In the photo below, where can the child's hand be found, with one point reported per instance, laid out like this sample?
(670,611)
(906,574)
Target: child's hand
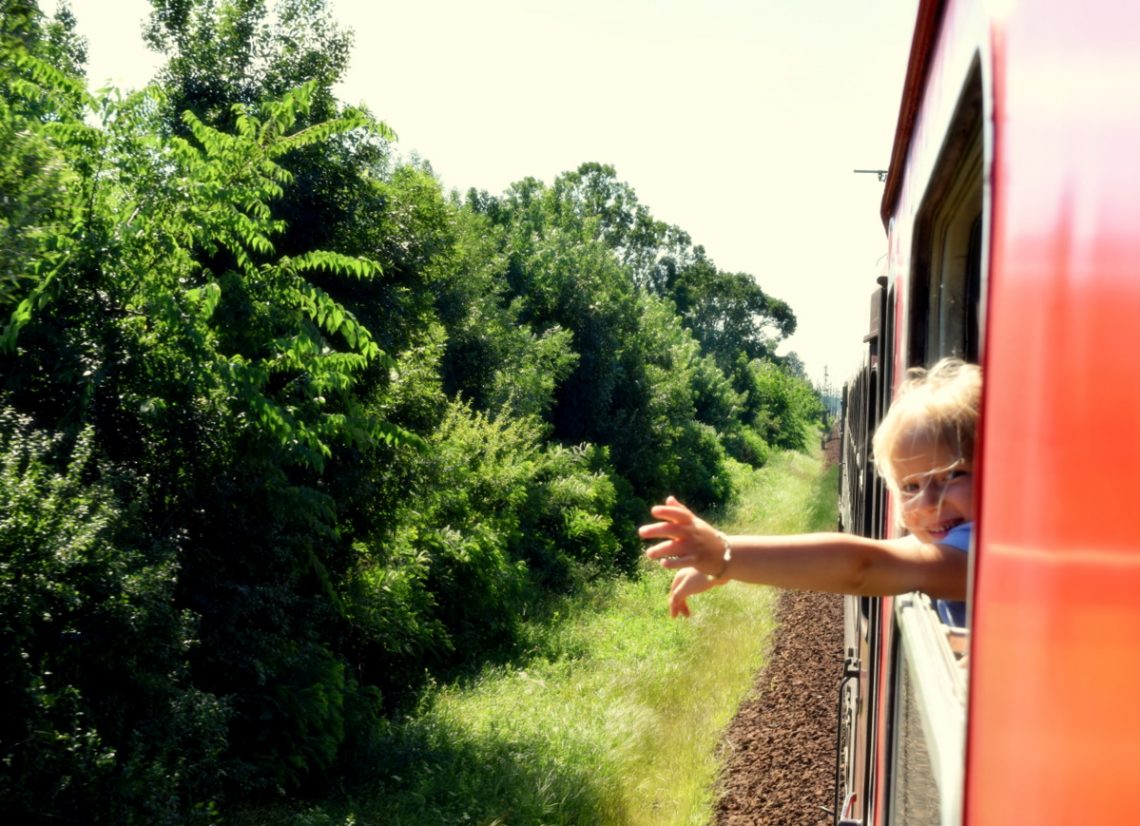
(688,582)
(690,542)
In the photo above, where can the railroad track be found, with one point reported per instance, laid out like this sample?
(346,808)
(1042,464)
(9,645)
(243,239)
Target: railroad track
(779,749)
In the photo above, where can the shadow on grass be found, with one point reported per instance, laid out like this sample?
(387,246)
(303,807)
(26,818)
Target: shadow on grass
(433,773)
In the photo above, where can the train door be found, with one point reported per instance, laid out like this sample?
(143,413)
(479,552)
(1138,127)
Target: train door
(905,757)
(863,510)
(927,693)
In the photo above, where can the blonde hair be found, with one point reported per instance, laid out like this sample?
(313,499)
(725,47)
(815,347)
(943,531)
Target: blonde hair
(939,406)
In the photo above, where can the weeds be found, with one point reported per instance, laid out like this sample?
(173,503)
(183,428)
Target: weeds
(616,716)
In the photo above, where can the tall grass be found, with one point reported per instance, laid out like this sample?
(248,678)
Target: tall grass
(615,718)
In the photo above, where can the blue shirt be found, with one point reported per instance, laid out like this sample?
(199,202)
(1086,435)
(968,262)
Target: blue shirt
(953,613)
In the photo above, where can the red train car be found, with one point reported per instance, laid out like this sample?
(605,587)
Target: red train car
(1012,208)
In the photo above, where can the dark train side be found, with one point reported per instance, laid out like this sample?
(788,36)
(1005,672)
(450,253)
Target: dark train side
(1012,210)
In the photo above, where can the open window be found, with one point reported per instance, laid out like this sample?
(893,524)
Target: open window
(943,316)
(946,284)
(929,720)
(947,273)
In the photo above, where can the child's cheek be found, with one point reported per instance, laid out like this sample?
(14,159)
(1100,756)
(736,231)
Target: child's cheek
(909,518)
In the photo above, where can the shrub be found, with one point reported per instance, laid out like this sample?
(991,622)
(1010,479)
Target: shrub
(746,445)
(492,516)
(100,722)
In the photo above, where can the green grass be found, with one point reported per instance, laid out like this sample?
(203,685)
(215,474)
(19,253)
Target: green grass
(615,719)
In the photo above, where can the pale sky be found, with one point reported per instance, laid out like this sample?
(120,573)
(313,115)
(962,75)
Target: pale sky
(738,120)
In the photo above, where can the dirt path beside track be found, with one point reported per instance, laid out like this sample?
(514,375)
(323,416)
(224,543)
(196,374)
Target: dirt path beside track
(779,749)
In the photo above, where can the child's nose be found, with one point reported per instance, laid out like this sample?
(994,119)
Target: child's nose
(930,497)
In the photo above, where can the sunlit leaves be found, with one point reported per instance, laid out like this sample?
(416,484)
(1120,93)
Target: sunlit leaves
(42,186)
(176,220)
(247,311)
(215,195)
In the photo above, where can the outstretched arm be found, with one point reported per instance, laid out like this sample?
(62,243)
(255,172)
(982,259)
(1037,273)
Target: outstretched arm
(835,562)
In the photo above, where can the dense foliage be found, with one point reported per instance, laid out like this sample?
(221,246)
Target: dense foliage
(287,431)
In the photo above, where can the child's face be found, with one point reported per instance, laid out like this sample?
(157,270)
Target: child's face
(936,488)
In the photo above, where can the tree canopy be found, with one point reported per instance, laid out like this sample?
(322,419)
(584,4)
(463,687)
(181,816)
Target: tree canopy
(287,431)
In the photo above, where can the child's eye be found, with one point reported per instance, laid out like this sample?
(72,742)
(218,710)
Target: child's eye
(910,487)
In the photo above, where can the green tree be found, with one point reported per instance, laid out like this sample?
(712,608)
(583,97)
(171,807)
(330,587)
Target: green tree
(102,720)
(593,202)
(227,52)
(362,427)
(567,250)
(729,313)
(211,369)
(41,129)
(782,407)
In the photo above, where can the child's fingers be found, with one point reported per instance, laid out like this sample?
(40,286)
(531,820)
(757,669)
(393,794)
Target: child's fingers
(668,530)
(660,549)
(678,606)
(674,508)
(678,515)
(657,530)
(665,555)
(679,592)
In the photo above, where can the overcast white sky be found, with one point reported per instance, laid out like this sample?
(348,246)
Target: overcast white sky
(738,120)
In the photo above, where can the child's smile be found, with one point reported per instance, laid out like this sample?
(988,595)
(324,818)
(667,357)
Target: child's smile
(936,489)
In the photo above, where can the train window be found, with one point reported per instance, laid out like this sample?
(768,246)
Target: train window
(864,511)
(956,227)
(928,683)
(928,721)
(947,275)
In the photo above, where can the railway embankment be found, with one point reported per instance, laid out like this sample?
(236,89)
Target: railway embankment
(778,753)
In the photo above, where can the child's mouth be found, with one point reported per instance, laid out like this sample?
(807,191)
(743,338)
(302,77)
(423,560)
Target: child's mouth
(940,530)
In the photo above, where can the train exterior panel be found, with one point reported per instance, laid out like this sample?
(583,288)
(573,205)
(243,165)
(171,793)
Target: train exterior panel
(1012,208)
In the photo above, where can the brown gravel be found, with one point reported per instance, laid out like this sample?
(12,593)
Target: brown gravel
(779,750)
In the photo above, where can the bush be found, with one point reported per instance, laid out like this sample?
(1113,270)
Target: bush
(783,408)
(492,516)
(100,723)
(746,445)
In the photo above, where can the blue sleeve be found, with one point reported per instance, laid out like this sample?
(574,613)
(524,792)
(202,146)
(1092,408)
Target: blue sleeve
(959,537)
(954,613)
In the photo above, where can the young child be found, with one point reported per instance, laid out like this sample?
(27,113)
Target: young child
(924,450)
